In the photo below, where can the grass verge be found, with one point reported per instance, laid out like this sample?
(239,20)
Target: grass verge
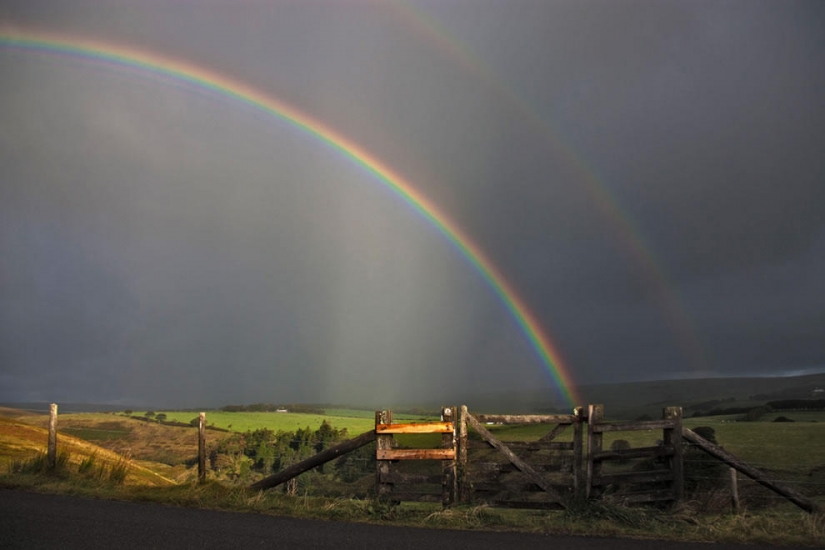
(779,526)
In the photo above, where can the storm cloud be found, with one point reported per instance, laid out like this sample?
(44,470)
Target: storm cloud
(647,176)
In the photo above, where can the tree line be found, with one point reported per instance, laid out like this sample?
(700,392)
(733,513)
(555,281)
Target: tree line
(271,407)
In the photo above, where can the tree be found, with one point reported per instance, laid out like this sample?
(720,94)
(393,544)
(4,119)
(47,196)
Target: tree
(149,414)
(160,417)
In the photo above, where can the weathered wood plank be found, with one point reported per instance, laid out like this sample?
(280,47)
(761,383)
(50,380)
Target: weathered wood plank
(520,464)
(415,497)
(398,478)
(638,498)
(415,428)
(547,470)
(513,487)
(415,454)
(315,460)
(638,452)
(528,505)
(729,459)
(551,435)
(634,426)
(525,418)
(537,446)
(652,476)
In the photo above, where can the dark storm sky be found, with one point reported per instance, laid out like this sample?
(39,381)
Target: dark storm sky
(648,176)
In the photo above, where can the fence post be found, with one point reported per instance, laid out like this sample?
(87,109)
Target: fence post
(51,456)
(202,447)
(448,473)
(578,459)
(734,489)
(463,487)
(595,415)
(382,467)
(673,438)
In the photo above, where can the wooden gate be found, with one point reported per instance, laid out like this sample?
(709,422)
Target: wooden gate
(395,484)
(542,473)
(658,476)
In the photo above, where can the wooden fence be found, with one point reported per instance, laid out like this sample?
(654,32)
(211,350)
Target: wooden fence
(477,466)
(661,480)
(546,473)
(393,483)
(543,473)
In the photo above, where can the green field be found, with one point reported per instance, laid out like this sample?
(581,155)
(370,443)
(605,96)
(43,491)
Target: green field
(355,421)
(790,446)
(797,447)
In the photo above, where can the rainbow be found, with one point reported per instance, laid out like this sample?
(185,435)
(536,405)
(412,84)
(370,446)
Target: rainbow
(48,42)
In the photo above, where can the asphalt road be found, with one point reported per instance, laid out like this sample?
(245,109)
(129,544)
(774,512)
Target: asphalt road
(30,520)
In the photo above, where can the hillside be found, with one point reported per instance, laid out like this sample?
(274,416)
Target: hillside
(632,399)
(20,441)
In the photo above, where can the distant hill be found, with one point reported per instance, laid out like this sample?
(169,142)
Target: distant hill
(630,400)
(43,407)
(626,400)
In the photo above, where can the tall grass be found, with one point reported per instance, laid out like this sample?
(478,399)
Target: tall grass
(39,464)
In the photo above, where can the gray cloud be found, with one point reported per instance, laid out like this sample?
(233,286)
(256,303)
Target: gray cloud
(647,176)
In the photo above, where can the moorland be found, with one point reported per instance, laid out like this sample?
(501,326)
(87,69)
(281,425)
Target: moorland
(152,455)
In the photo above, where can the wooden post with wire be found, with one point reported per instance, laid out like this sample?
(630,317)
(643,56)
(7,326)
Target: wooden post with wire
(51,456)
(672,437)
(202,447)
(383,443)
(462,483)
(595,416)
(448,469)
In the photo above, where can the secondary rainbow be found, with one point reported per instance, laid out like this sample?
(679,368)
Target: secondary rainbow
(222,85)
(676,315)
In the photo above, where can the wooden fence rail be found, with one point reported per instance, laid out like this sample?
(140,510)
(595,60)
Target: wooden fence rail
(315,460)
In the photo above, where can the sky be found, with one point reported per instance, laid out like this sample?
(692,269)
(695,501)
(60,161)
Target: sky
(645,178)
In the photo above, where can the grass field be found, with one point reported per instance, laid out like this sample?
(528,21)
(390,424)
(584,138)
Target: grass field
(355,422)
(768,445)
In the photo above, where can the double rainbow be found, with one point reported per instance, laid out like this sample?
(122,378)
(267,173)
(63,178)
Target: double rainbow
(224,86)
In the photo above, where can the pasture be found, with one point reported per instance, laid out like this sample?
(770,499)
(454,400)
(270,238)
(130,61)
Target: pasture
(790,451)
(354,421)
